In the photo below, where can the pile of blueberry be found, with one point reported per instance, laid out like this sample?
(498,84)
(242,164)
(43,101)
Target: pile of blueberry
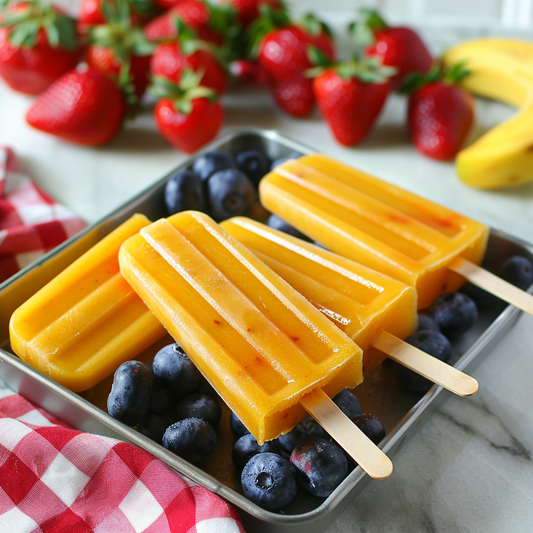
(170,402)
(307,456)
(167,401)
(452,315)
(219,184)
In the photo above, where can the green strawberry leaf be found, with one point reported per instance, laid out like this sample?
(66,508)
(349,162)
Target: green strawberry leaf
(456,73)
(372,19)
(52,34)
(66,29)
(414,81)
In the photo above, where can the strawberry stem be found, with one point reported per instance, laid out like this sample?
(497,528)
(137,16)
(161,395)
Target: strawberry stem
(185,92)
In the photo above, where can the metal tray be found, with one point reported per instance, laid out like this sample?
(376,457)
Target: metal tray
(402,412)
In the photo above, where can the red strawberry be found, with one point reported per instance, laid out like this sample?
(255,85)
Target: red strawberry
(283,57)
(188,115)
(398,47)
(350,96)
(83,107)
(248,10)
(194,13)
(440,114)
(120,50)
(30,57)
(169,61)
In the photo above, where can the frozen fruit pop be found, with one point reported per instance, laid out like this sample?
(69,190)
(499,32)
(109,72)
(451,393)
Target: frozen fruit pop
(262,346)
(384,227)
(373,309)
(87,321)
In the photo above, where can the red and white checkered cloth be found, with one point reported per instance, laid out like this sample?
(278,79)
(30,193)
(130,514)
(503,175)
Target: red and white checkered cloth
(56,479)
(31,222)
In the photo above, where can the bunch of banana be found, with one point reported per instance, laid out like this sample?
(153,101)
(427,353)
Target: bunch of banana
(502,69)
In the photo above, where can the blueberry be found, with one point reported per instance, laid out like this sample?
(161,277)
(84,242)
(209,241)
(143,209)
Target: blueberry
(193,439)
(206,165)
(518,271)
(278,223)
(162,397)
(129,399)
(455,313)
(308,428)
(230,194)
(371,426)
(431,342)
(237,427)
(279,161)
(246,447)
(154,426)
(347,403)
(426,323)
(173,365)
(269,481)
(184,191)
(200,406)
(321,465)
(253,163)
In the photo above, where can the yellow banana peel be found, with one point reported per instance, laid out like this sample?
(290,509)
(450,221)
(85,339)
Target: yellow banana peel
(502,69)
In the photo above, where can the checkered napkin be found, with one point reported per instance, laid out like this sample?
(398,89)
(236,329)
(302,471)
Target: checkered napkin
(31,222)
(56,479)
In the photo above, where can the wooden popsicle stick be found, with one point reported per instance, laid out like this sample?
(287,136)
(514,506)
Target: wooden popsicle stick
(369,457)
(426,365)
(493,284)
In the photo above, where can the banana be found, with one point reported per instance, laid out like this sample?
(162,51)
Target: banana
(502,69)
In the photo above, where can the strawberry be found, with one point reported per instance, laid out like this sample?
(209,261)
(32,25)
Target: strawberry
(195,14)
(281,47)
(38,43)
(83,106)
(350,95)
(120,50)
(399,47)
(187,115)
(440,112)
(172,58)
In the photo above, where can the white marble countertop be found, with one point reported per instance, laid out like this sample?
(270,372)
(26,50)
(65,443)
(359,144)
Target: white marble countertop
(470,469)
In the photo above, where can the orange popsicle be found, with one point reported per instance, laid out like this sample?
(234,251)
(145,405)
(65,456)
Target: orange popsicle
(375,223)
(261,344)
(87,321)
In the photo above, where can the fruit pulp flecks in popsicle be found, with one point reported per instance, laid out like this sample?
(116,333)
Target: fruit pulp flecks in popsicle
(260,343)
(87,321)
(359,300)
(375,223)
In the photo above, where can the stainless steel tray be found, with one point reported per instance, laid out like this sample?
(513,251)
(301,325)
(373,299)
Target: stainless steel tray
(402,412)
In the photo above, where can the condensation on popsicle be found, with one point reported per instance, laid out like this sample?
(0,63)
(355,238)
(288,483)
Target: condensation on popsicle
(87,321)
(260,343)
(359,300)
(375,223)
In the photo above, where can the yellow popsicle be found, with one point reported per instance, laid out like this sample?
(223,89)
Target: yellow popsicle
(261,344)
(360,301)
(87,321)
(375,223)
